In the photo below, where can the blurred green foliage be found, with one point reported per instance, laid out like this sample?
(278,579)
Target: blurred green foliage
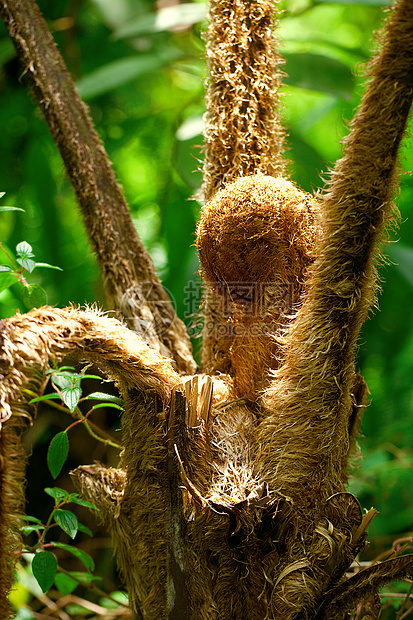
(141,71)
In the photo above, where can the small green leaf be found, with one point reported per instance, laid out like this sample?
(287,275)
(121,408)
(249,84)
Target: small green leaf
(24,613)
(32,519)
(81,502)
(52,396)
(71,397)
(28,529)
(65,380)
(48,266)
(52,371)
(24,249)
(170,17)
(33,296)
(65,584)
(113,405)
(109,398)
(7,279)
(117,73)
(109,603)
(2,194)
(44,567)
(10,208)
(27,263)
(89,377)
(85,577)
(57,453)
(5,268)
(78,553)
(58,494)
(67,521)
(69,384)
(84,529)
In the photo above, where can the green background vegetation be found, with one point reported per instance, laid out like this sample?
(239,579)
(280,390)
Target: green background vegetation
(143,82)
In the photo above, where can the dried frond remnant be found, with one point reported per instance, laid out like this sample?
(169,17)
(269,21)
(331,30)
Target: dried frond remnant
(255,240)
(311,391)
(243,134)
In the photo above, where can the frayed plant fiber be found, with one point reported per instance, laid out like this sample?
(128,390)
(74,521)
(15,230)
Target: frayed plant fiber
(255,240)
(232,503)
(145,380)
(12,484)
(243,134)
(307,419)
(311,390)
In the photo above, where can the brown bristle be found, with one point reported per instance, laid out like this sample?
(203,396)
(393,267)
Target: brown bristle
(255,242)
(257,229)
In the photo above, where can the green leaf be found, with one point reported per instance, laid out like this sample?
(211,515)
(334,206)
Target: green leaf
(57,453)
(61,369)
(58,494)
(117,73)
(120,597)
(65,584)
(89,377)
(11,208)
(24,249)
(48,266)
(164,19)
(318,72)
(75,610)
(109,398)
(85,577)
(28,529)
(33,295)
(7,279)
(66,380)
(81,502)
(71,397)
(84,529)
(78,553)
(67,521)
(24,613)
(32,519)
(69,384)
(44,567)
(52,396)
(5,268)
(27,263)
(2,194)
(113,405)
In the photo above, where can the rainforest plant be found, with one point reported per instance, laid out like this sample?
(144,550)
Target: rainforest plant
(230,497)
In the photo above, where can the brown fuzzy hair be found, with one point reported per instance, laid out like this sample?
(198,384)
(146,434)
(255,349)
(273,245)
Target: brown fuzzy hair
(255,241)
(243,134)
(144,378)
(244,515)
(312,389)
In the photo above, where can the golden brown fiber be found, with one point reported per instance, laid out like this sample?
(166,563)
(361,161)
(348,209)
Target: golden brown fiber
(311,391)
(255,240)
(143,376)
(243,134)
